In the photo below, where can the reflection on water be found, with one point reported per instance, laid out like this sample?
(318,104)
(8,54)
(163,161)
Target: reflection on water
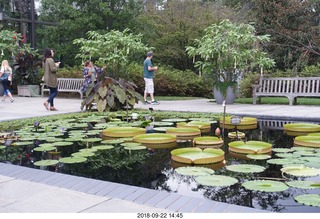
(155,169)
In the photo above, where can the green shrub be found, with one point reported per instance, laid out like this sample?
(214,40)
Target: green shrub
(246,84)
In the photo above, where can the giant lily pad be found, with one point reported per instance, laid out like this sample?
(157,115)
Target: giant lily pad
(184,132)
(174,120)
(245,168)
(208,141)
(161,124)
(258,156)
(307,141)
(265,185)
(304,184)
(300,170)
(123,132)
(250,147)
(130,144)
(298,129)
(155,138)
(194,171)
(197,155)
(309,199)
(216,180)
(46,162)
(246,123)
(91,140)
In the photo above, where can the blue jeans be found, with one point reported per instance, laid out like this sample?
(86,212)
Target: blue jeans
(53,94)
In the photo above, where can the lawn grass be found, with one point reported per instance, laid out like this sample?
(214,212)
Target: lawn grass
(281,100)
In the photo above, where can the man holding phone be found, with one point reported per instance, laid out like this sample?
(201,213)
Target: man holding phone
(148,75)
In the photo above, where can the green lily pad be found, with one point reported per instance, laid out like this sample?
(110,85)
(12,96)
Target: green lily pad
(250,147)
(31,138)
(197,155)
(288,155)
(194,171)
(216,180)
(112,141)
(304,184)
(130,144)
(265,185)
(284,161)
(46,145)
(139,147)
(88,150)
(282,150)
(258,156)
(80,125)
(46,162)
(52,139)
(309,199)
(161,129)
(62,143)
(22,143)
(74,139)
(305,153)
(44,148)
(301,170)
(83,154)
(174,120)
(161,124)
(155,138)
(91,140)
(2,147)
(103,147)
(245,168)
(71,160)
(302,148)
(310,159)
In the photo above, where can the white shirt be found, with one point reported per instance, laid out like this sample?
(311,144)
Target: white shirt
(10,73)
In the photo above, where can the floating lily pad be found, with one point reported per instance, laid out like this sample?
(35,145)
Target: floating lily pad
(155,138)
(245,168)
(71,160)
(83,154)
(139,147)
(185,131)
(305,153)
(288,155)
(246,123)
(22,143)
(103,147)
(216,180)
(88,150)
(250,147)
(112,141)
(284,161)
(31,138)
(304,184)
(44,149)
(46,145)
(194,171)
(174,120)
(46,162)
(208,140)
(161,129)
(197,155)
(265,185)
(80,125)
(307,141)
(310,159)
(2,147)
(282,150)
(116,132)
(258,156)
(130,144)
(74,139)
(62,143)
(301,170)
(52,139)
(298,148)
(91,140)
(159,124)
(309,199)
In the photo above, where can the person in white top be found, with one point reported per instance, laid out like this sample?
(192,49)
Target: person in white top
(6,77)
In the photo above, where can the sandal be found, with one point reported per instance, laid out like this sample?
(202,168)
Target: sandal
(53,109)
(46,105)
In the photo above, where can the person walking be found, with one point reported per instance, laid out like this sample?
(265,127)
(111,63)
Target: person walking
(148,75)
(50,77)
(6,77)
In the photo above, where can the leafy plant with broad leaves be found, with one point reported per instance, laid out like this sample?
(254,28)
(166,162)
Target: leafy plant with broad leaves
(111,95)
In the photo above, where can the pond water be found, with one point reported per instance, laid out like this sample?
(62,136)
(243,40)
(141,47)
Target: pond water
(156,170)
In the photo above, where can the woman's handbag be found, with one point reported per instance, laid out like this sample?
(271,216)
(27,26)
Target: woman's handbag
(4,76)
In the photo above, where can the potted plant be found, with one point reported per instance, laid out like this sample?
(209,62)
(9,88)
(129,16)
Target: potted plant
(225,52)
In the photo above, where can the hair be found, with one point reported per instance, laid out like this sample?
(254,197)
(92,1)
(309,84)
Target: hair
(47,54)
(86,63)
(6,65)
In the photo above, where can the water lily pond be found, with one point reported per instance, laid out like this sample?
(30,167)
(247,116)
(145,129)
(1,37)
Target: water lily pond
(265,168)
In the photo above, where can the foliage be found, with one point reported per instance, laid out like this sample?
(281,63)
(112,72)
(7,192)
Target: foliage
(228,49)
(9,43)
(294,30)
(246,84)
(111,95)
(113,48)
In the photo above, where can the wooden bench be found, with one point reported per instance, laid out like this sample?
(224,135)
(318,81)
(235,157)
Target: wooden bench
(66,85)
(292,88)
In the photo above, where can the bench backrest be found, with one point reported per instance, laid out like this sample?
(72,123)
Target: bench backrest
(70,83)
(305,85)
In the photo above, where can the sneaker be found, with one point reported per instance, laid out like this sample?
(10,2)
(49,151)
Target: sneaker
(154,102)
(147,102)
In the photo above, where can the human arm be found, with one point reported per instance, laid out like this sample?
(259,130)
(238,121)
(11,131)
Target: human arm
(52,65)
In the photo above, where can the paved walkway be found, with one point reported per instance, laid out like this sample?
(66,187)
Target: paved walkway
(25,190)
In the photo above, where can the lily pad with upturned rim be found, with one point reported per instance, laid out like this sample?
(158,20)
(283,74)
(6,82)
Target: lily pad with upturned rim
(300,170)
(245,168)
(250,147)
(265,185)
(194,171)
(307,184)
(197,155)
(309,199)
(155,138)
(46,162)
(216,180)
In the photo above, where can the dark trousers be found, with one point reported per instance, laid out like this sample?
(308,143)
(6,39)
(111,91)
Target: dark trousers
(53,94)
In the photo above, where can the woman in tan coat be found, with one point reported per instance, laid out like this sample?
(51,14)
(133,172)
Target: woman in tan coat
(50,77)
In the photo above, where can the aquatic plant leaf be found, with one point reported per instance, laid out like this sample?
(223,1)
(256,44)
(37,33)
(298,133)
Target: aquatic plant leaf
(48,148)
(91,140)
(22,143)
(297,148)
(71,160)
(74,138)
(88,150)
(208,140)
(284,161)
(103,147)
(250,147)
(138,147)
(162,129)
(46,162)
(245,168)
(101,105)
(174,120)
(82,154)
(62,143)
(2,147)
(120,93)
(282,150)
(158,138)
(112,141)
(265,185)
(123,131)
(216,180)
(197,155)
(258,156)
(288,155)
(194,171)
(309,199)
(301,170)
(304,184)
(305,153)
(130,144)
(161,124)
(80,125)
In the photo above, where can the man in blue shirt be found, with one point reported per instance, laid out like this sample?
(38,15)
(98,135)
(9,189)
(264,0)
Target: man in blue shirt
(148,75)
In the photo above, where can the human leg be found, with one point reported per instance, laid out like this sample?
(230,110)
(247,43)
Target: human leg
(53,94)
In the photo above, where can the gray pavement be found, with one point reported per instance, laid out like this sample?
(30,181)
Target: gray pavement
(21,192)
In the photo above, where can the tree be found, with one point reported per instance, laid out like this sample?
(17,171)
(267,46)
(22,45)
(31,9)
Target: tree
(115,49)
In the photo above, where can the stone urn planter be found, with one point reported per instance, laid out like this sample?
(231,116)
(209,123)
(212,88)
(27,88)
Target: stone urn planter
(224,91)
(28,90)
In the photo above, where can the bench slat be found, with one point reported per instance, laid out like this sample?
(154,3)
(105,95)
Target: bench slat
(67,85)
